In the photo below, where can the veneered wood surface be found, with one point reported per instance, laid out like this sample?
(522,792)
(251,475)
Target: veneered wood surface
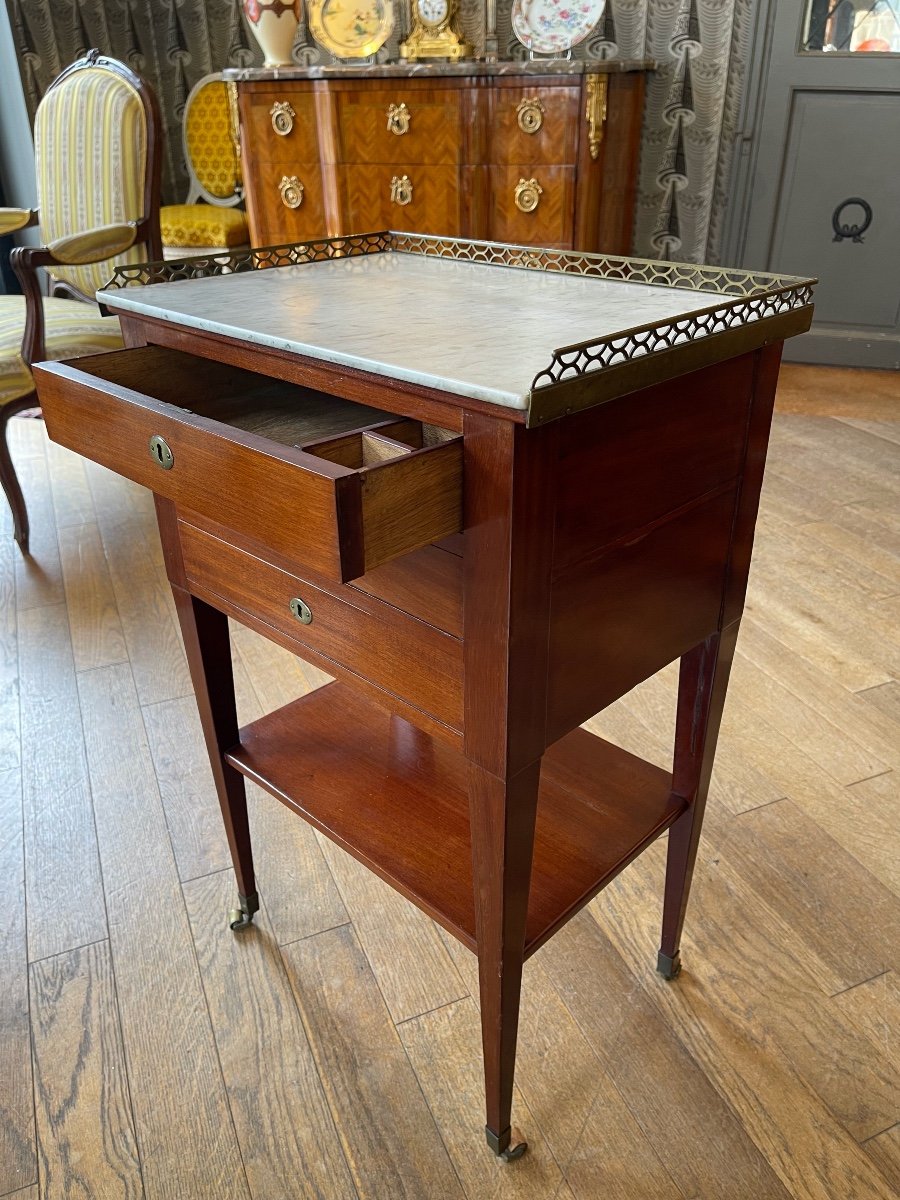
(259,140)
(271,220)
(551,222)
(557,137)
(396,799)
(434,136)
(436,197)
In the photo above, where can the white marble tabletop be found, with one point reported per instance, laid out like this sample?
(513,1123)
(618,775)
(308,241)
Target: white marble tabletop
(473,329)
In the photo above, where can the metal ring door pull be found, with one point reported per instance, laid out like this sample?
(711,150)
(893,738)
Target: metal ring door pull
(161,453)
(528,195)
(291,191)
(301,611)
(282,115)
(398,119)
(401,190)
(530,115)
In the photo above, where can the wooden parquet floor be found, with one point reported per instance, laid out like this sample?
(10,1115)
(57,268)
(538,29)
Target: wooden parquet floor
(332,1051)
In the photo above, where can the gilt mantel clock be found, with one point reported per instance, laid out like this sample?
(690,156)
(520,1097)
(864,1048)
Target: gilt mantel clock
(433,35)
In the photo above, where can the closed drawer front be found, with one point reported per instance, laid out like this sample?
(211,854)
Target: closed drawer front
(535,124)
(287,203)
(401,124)
(403,196)
(533,204)
(348,504)
(279,126)
(406,657)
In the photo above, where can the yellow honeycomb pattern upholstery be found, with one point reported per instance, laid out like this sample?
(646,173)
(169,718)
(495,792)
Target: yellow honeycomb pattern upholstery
(90,153)
(209,140)
(202,225)
(71,328)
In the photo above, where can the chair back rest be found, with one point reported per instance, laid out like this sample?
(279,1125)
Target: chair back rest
(212,146)
(97,156)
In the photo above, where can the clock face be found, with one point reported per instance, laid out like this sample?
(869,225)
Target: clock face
(433,12)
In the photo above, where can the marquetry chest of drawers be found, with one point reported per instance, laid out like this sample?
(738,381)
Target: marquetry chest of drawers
(538,154)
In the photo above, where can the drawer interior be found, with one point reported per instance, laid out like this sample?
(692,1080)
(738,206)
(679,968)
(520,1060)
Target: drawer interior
(271,408)
(379,443)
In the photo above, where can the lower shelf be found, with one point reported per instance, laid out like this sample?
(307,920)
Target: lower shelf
(396,799)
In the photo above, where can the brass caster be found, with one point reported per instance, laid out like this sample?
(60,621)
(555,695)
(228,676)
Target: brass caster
(240,918)
(513,1144)
(669,968)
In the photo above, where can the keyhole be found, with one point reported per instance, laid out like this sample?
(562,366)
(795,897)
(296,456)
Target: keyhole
(161,452)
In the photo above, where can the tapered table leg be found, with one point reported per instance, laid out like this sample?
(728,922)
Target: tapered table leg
(702,685)
(208,647)
(502,814)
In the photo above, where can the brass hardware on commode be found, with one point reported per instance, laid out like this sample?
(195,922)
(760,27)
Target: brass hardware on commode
(282,117)
(401,189)
(528,195)
(291,190)
(301,611)
(595,111)
(530,115)
(161,453)
(398,118)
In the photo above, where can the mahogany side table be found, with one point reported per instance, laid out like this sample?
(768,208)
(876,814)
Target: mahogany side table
(489,489)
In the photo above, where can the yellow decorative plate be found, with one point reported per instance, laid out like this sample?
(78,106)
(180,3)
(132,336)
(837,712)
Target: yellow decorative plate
(351,28)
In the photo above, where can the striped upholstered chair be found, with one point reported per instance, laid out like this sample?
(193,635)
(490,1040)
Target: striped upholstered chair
(97,159)
(210,220)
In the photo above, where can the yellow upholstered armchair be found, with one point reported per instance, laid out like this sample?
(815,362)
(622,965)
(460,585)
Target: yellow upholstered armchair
(212,151)
(97,156)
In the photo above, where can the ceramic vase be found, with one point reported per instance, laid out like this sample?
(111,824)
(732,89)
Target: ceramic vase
(274,24)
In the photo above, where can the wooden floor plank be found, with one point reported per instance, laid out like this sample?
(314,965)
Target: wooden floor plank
(96,631)
(693,1131)
(73,503)
(787,859)
(62,871)
(86,1137)
(868,815)
(18,1164)
(874,1007)
(289,1145)
(388,1134)
(410,961)
(884,1151)
(187,1142)
(444,1047)
(753,946)
(822,694)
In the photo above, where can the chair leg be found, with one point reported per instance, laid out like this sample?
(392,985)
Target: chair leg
(8,477)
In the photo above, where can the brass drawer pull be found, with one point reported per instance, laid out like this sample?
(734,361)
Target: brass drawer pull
(291,191)
(530,115)
(161,453)
(528,195)
(398,118)
(282,117)
(300,610)
(401,190)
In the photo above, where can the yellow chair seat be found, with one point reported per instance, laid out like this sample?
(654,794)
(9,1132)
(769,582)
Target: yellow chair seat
(71,328)
(203,225)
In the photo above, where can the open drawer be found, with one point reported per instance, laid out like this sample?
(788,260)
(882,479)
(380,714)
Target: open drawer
(329,483)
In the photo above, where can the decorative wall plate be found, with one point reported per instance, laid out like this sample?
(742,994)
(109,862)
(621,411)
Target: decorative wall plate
(554,26)
(351,28)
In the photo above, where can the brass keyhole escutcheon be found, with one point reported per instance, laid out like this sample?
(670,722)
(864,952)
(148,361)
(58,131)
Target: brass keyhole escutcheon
(401,190)
(398,119)
(291,191)
(528,195)
(301,611)
(530,115)
(282,115)
(161,453)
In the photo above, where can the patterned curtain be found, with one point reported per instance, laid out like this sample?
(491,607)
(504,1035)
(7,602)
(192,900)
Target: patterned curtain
(693,99)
